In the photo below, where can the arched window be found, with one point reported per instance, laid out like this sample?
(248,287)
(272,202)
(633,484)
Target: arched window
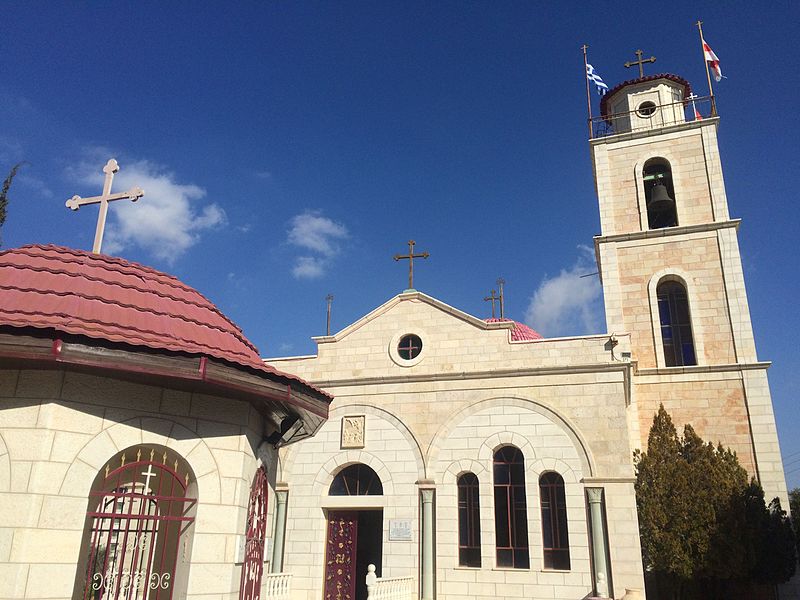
(676,326)
(356,480)
(138,522)
(555,536)
(659,194)
(510,509)
(469,521)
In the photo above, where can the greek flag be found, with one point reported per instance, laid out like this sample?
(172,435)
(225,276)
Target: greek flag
(592,75)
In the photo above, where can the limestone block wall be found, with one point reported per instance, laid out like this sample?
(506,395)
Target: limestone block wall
(309,469)
(696,173)
(57,432)
(469,446)
(634,269)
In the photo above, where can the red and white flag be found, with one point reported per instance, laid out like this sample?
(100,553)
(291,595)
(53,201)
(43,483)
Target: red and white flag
(713,61)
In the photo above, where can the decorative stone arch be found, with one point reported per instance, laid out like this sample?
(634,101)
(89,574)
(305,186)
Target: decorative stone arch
(324,477)
(687,282)
(638,175)
(580,444)
(5,466)
(555,465)
(506,438)
(285,465)
(459,467)
(144,430)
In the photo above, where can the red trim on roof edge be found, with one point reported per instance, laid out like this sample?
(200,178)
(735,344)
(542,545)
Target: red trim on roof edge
(687,88)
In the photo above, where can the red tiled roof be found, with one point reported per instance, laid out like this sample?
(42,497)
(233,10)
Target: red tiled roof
(520,332)
(107,298)
(687,89)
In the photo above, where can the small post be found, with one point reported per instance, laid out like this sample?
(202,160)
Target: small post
(329,300)
(370,580)
(500,283)
(708,74)
(588,95)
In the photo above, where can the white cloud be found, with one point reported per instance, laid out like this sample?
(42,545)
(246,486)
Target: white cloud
(568,304)
(165,222)
(321,236)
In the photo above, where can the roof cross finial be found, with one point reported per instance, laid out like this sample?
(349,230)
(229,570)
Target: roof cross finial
(329,300)
(500,283)
(493,297)
(132,194)
(411,256)
(640,62)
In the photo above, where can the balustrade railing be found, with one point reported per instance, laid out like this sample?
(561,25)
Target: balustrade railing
(388,588)
(653,116)
(276,586)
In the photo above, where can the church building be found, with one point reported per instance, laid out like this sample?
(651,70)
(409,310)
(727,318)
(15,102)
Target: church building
(147,451)
(471,458)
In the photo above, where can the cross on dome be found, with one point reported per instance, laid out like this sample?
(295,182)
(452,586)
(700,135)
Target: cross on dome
(132,194)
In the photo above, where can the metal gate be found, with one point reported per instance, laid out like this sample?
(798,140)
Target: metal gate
(253,565)
(138,515)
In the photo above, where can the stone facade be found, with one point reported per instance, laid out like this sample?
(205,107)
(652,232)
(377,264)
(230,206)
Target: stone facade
(472,390)
(59,429)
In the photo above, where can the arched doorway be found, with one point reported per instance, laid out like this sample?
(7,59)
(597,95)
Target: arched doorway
(355,535)
(137,533)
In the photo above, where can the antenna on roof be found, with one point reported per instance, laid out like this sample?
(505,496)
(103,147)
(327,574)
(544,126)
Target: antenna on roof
(329,300)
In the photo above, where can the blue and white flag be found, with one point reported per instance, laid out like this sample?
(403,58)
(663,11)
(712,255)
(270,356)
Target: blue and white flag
(592,75)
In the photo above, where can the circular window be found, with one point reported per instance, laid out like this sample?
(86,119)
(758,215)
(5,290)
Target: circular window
(409,347)
(646,109)
(406,349)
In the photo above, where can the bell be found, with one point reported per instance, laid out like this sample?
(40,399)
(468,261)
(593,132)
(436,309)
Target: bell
(659,198)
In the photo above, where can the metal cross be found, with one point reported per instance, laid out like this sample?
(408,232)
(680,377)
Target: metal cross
(149,474)
(411,256)
(132,194)
(640,62)
(493,298)
(500,283)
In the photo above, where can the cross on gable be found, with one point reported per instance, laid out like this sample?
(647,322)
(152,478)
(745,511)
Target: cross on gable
(76,201)
(493,297)
(411,256)
(640,61)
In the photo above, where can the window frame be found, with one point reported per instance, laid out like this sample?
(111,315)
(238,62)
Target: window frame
(469,520)
(553,504)
(510,499)
(676,300)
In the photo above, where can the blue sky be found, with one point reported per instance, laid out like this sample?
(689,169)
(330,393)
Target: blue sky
(288,150)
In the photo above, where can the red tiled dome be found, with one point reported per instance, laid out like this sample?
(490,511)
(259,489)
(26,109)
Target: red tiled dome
(107,298)
(520,332)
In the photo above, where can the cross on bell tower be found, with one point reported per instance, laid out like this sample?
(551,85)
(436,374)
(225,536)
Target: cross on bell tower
(640,62)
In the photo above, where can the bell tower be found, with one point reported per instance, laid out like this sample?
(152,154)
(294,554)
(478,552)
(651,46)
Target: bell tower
(669,262)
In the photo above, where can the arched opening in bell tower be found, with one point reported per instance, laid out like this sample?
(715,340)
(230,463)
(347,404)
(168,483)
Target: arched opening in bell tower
(659,194)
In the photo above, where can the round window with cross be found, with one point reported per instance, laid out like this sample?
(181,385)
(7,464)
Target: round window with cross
(409,347)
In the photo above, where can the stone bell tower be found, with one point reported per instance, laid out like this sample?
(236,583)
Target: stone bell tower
(669,262)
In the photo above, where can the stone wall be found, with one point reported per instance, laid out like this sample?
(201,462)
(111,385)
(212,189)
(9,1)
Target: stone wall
(59,429)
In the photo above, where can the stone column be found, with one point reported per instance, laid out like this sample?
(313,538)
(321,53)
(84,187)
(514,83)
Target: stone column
(427,542)
(595,496)
(281,496)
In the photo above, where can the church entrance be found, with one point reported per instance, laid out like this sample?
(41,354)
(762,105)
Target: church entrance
(354,541)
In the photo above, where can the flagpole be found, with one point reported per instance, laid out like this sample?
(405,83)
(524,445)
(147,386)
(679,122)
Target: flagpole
(708,73)
(588,95)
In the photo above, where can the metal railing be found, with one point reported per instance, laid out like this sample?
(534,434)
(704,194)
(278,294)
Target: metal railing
(276,586)
(653,117)
(388,588)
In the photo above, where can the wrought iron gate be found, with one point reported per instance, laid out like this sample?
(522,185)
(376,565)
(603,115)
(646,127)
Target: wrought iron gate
(138,513)
(253,565)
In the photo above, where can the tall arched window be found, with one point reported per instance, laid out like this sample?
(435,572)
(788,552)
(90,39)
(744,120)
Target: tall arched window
(469,521)
(659,194)
(555,536)
(510,509)
(138,526)
(676,326)
(356,480)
